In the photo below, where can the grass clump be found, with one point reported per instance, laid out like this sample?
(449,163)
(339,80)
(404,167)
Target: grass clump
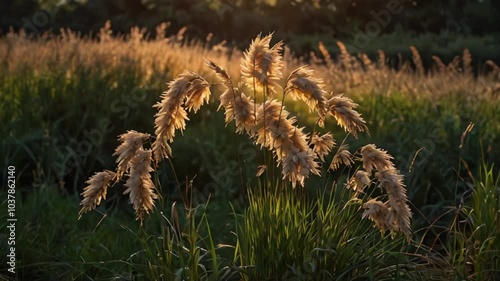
(324,225)
(474,244)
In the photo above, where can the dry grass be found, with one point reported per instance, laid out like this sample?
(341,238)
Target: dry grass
(271,127)
(269,124)
(394,214)
(263,117)
(70,54)
(186,93)
(96,190)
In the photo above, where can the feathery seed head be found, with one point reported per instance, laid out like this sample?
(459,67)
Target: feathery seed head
(322,145)
(96,190)
(298,165)
(400,214)
(262,64)
(302,84)
(343,156)
(375,158)
(171,113)
(359,181)
(139,184)
(289,144)
(221,73)
(342,108)
(377,212)
(131,142)
(198,93)
(238,107)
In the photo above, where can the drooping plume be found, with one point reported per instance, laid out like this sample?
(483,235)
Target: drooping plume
(236,104)
(343,156)
(302,84)
(172,114)
(375,158)
(359,181)
(96,190)
(131,142)
(389,178)
(289,144)
(322,145)
(343,109)
(139,184)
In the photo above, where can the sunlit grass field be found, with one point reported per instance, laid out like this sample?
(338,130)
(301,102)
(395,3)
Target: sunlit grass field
(65,99)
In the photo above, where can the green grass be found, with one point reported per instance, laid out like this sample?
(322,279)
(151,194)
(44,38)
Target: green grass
(474,246)
(284,235)
(49,120)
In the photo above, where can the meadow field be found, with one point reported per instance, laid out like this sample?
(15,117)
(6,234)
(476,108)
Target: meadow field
(252,165)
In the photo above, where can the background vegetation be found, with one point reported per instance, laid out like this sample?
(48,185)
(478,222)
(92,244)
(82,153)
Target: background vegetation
(441,28)
(64,98)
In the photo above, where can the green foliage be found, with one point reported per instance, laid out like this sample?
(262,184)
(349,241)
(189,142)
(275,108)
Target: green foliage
(285,235)
(51,244)
(474,244)
(426,146)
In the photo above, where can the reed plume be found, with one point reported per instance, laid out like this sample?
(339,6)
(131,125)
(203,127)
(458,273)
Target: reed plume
(302,84)
(324,51)
(237,105)
(322,145)
(399,213)
(343,156)
(381,62)
(139,184)
(172,114)
(279,134)
(131,142)
(343,109)
(467,62)
(377,212)
(441,67)
(261,65)
(374,158)
(417,60)
(345,56)
(240,108)
(359,181)
(96,190)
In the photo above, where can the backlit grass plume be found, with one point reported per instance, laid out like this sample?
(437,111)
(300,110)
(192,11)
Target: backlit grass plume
(271,128)
(189,90)
(297,152)
(236,104)
(139,184)
(322,145)
(276,131)
(261,65)
(133,162)
(398,214)
(302,84)
(96,190)
(343,109)
(131,142)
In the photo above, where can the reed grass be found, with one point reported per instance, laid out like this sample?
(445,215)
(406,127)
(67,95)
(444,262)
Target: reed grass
(69,69)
